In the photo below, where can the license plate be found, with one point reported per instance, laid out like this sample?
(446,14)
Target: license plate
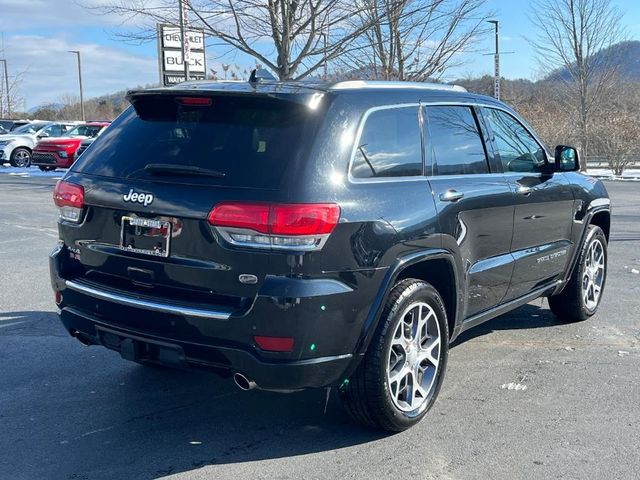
(148,236)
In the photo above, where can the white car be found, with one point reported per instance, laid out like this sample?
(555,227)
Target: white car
(16,147)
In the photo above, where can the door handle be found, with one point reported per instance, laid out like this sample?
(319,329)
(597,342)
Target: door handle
(451,195)
(522,190)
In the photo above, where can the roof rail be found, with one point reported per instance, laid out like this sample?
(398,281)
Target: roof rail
(357,84)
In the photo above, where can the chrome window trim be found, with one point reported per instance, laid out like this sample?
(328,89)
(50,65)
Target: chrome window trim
(131,301)
(424,104)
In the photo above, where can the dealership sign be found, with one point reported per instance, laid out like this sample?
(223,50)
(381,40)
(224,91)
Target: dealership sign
(170,53)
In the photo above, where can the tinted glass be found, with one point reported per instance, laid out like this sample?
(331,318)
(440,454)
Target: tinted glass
(390,145)
(517,149)
(29,128)
(84,131)
(53,131)
(455,141)
(251,140)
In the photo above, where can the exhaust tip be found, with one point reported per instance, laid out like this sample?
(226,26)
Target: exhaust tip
(243,382)
(81,338)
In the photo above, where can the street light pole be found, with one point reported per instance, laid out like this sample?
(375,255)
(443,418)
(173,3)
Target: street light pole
(6,83)
(496,57)
(77,52)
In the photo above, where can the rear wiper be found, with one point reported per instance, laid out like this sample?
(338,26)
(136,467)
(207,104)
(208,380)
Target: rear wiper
(172,169)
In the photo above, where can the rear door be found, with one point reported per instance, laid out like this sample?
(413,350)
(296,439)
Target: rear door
(543,204)
(475,205)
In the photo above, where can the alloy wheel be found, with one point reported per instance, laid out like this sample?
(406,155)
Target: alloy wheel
(22,158)
(414,357)
(594,274)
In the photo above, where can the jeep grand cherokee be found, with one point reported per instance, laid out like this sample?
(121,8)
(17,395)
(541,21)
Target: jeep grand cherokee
(298,235)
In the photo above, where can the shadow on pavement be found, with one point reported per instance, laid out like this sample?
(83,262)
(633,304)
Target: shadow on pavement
(69,411)
(528,316)
(82,412)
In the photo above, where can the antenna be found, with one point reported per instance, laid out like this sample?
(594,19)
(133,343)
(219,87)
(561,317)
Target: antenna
(260,75)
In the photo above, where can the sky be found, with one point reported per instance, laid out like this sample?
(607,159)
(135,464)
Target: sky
(35,36)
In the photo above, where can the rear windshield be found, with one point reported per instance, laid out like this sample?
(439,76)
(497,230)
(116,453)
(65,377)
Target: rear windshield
(251,140)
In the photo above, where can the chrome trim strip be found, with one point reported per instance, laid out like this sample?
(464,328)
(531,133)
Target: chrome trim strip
(130,301)
(225,233)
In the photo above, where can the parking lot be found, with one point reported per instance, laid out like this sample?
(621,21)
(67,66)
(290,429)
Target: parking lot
(72,412)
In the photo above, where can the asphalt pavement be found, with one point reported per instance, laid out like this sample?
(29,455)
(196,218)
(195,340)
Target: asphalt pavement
(524,396)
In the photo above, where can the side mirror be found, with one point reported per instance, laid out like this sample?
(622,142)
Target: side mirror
(43,135)
(567,159)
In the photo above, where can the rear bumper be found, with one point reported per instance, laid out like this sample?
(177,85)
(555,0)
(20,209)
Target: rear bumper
(140,346)
(215,339)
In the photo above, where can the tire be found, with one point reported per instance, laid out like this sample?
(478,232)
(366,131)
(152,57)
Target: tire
(371,396)
(46,168)
(574,303)
(20,157)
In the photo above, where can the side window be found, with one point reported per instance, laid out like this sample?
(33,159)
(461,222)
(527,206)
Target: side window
(454,140)
(53,131)
(517,149)
(390,145)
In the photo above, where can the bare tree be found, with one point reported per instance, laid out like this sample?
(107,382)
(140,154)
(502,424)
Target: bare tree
(616,128)
(570,34)
(293,38)
(615,139)
(413,39)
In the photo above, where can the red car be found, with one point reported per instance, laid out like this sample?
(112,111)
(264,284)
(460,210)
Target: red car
(60,152)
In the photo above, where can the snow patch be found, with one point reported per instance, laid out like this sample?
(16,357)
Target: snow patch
(513,386)
(31,172)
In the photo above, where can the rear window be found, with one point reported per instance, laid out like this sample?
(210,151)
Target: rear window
(251,140)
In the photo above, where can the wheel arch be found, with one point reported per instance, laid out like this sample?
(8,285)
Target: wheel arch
(439,273)
(437,267)
(602,219)
(26,147)
(599,215)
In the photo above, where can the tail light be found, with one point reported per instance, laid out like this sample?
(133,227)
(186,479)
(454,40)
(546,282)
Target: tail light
(301,227)
(274,344)
(195,101)
(69,198)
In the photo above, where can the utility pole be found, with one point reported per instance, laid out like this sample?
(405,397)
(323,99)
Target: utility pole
(77,52)
(6,83)
(496,57)
(184,35)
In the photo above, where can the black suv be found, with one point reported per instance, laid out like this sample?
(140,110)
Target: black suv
(296,235)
